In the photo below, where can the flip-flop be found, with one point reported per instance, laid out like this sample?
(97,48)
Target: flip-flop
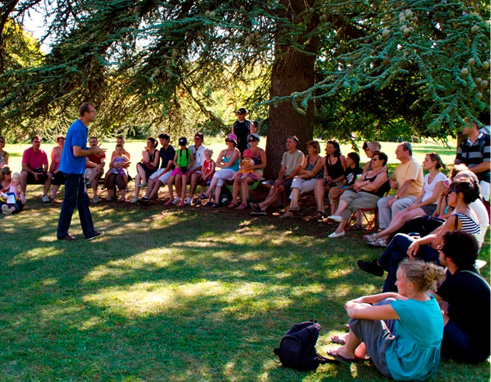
(338,340)
(338,357)
(293,208)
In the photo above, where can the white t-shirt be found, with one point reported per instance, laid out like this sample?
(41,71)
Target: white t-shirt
(199,156)
(430,187)
(483,217)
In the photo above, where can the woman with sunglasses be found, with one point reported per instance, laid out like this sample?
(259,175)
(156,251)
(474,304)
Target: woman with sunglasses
(228,162)
(365,194)
(242,185)
(4,156)
(462,193)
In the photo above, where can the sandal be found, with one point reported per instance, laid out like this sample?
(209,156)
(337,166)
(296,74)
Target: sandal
(232,205)
(255,207)
(293,208)
(287,214)
(338,357)
(209,204)
(355,227)
(319,215)
(242,206)
(370,239)
(203,196)
(214,205)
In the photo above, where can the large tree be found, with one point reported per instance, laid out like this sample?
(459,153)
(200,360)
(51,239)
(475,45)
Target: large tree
(423,62)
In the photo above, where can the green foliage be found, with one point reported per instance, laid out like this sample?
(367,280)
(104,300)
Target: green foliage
(417,66)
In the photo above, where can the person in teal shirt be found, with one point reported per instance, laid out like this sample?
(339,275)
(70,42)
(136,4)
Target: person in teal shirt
(402,331)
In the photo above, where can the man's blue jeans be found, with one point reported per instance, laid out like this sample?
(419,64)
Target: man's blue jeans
(395,252)
(75,196)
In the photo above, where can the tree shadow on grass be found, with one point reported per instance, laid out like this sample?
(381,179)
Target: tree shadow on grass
(170,297)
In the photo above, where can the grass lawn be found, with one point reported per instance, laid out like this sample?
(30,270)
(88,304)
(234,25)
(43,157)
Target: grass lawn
(193,294)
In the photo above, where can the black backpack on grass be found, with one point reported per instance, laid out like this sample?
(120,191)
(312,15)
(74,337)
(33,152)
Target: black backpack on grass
(297,347)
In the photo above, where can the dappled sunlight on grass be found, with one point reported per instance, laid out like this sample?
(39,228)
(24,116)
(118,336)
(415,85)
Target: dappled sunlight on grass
(191,295)
(35,254)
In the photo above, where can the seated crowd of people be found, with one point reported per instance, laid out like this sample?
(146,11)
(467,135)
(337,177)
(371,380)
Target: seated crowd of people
(436,221)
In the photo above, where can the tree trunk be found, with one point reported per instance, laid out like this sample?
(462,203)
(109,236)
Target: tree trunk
(293,71)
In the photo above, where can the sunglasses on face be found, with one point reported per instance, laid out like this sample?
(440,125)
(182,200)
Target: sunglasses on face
(252,140)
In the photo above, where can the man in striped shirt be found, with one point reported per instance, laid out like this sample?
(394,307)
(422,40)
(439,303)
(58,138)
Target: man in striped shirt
(475,153)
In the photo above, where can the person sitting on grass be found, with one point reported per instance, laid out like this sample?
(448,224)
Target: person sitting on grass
(291,163)
(228,161)
(183,160)
(258,160)
(401,331)
(466,296)
(462,193)
(14,197)
(353,170)
(425,204)
(118,174)
(306,180)
(365,194)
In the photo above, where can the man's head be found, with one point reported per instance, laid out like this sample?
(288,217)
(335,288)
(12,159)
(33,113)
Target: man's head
(164,139)
(291,142)
(120,140)
(92,141)
(36,142)
(241,114)
(404,151)
(87,112)
(459,247)
(470,128)
(198,139)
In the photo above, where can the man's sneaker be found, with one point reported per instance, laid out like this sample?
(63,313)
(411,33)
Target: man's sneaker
(143,184)
(96,234)
(134,200)
(45,199)
(189,201)
(176,201)
(68,237)
(371,267)
(95,199)
(6,210)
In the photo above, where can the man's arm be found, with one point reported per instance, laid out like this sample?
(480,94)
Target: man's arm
(403,189)
(80,152)
(481,167)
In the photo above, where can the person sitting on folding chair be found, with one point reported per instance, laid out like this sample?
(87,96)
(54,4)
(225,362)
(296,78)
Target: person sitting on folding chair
(365,194)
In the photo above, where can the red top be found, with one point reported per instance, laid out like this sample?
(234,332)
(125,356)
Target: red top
(34,159)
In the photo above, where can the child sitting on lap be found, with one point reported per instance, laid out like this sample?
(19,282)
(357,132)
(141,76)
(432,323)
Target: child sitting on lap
(246,167)
(14,197)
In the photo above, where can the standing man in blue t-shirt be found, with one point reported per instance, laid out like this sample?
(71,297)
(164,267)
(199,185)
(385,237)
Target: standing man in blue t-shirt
(73,167)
